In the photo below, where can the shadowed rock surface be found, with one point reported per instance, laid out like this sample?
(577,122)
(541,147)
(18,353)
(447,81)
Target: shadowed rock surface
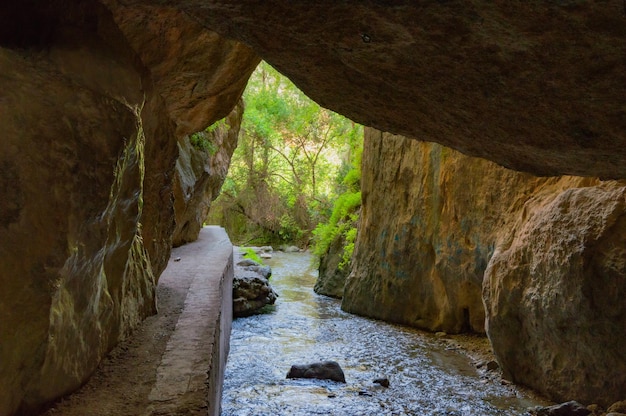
(535,86)
(90,120)
(546,253)
(95,96)
(200,173)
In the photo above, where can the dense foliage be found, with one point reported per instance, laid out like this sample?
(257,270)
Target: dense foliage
(293,160)
(249,253)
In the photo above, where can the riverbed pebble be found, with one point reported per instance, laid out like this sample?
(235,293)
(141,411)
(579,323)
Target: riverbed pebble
(571,408)
(383,381)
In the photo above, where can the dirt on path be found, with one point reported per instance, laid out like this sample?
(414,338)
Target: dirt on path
(124,383)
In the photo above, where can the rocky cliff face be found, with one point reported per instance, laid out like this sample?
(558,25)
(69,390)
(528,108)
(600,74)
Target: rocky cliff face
(332,277)
(423,265)
(89,132)
(547,253)
(95,95)
(200,173)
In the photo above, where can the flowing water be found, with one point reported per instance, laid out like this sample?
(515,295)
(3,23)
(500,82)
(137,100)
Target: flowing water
(426,378)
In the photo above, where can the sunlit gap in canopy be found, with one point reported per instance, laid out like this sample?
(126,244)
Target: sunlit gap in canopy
(294,177)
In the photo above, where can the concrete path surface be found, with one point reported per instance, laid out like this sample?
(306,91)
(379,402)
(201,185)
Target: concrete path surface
(173,364)
(191,373)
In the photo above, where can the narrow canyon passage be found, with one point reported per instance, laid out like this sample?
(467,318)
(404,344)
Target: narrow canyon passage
(162,368)
(428,375)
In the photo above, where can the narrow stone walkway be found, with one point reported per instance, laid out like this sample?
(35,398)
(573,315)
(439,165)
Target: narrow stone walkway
(174,363)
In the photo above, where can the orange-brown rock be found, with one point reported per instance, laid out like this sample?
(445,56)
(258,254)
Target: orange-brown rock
(554,293)
(535,86)
(94,96)
(547,253)
(429,221)
(200,172)
(200,74)
(87,156)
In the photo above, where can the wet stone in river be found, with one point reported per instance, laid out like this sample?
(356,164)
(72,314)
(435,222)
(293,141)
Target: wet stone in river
(325,370)
(304,327)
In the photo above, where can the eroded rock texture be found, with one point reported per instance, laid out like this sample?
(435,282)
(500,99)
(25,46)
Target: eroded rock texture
(200,173)
(548,254)
(94,97)
(535,86)
(428,224)
(332,277)
(335,264)
(87,158)
(555,290)
(200,74)
(75,274)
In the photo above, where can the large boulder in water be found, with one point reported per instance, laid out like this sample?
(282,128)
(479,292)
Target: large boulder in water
(251,292)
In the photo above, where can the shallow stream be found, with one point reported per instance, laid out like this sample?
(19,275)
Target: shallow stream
(426,378)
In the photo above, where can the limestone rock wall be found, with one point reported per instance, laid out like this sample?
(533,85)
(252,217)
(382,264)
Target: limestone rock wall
(200,174)
(546,253)
(428,225)
(75,274)
(554,294)
(87,157)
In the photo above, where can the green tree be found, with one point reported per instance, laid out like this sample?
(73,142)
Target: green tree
(283,175)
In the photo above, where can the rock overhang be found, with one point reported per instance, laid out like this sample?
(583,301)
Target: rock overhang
(534,86)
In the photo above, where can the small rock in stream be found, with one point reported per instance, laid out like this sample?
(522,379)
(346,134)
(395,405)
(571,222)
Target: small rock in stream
(325,370)
(489,365)
(365,393)
(290,249)
(247,263)
(492,365)
(384,381)
(571,408)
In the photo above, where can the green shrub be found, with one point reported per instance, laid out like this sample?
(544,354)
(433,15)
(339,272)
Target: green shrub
(202,142)
(202,139)
(348,249)
(341,223)
(289,230)
(249,253)
(352,179)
